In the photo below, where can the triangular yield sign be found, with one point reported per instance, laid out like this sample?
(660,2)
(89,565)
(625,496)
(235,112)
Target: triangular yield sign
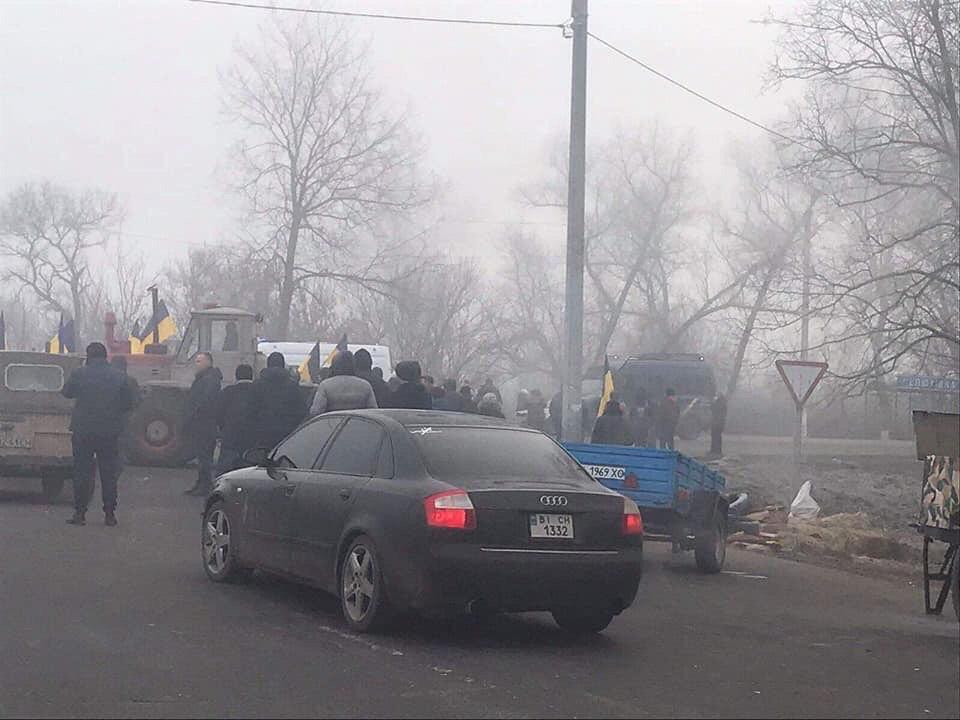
(801,377)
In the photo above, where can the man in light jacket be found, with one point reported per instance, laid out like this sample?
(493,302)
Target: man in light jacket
(343,390)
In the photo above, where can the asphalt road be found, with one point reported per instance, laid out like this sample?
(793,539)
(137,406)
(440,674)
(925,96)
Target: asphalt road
(112,622)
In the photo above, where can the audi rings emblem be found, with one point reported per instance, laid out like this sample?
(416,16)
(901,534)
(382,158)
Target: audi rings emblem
(553,500)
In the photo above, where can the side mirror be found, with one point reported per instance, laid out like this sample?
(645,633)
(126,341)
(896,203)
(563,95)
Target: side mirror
(257,456)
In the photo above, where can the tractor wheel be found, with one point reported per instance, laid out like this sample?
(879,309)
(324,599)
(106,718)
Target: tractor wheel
(156,437)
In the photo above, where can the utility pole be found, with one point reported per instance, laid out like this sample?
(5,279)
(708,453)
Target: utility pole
(573,305)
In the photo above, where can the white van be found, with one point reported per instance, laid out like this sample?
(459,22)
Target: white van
(296,352)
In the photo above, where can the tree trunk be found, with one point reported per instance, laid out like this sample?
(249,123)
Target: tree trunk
(288,286)
(747,334)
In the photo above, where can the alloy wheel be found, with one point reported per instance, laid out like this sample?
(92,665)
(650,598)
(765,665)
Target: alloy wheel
(216,541)
(358,584)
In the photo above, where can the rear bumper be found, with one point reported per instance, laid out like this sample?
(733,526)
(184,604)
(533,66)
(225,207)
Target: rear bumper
(33,466)
(519,580)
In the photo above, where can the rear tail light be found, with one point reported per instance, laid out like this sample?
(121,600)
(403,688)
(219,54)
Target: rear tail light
(451,509)
(632,520)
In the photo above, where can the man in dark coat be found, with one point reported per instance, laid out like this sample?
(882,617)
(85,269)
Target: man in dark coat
(489,387)
(536,411)
(364,369)
(278,404)
(235,420)
(469,405)
(200,424)
(103,401)
(411,393)
(451,401)
(611,428)
(718,419)
(668,416)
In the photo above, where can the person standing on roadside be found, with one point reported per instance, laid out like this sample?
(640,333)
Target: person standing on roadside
(668,416)
(235,420)
(102,401)
(718,419)
(277,404)
(489,388)
(343,390)
(364,364)
(411,393)
(611,427)
(469,405)
(451,400)
(490,406)
(200,423)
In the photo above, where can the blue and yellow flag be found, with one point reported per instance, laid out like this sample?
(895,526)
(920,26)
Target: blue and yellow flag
(65,341)
(607,391)
(136,344)
(161,322)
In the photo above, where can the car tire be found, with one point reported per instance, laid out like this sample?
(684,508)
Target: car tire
(711,548)
(217,548)
(52,487)
(363,599)
(582,620)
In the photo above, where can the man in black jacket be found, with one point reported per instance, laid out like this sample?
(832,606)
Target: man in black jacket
(103,399)
(277,403)
(364,369)
(235,420)
(200,423)
(411,393)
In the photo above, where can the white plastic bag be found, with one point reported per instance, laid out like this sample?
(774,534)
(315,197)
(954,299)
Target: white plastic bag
(804,507)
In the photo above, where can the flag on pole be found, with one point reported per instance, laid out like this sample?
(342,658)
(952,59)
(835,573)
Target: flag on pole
(309,369)
(607,391)
(161,322)
(3,331)
(341,347)
(136,344)
(65,341)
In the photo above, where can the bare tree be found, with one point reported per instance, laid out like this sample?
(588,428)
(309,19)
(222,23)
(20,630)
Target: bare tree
(47,234)
(321,157)
(881,126)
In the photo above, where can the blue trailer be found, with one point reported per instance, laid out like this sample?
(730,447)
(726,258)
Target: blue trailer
(681,500)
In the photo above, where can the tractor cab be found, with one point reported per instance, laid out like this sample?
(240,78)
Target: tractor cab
(229,334)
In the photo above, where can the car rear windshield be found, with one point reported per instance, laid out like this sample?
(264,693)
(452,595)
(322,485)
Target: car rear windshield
(460,454)
(36,378)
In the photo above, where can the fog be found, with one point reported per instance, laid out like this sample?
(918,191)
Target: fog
(404,183)
(125,96)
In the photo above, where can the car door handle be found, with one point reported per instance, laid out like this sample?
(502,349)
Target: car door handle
(289,489)
(345,494)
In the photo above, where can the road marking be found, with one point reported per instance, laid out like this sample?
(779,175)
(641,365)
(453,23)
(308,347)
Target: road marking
(357,639)
(745,575)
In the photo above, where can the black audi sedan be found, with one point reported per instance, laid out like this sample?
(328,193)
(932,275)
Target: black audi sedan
(395,510)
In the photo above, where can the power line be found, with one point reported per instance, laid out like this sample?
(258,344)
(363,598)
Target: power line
(379,16)
(694,92)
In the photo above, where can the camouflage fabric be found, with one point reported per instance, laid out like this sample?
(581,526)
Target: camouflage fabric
(941,492)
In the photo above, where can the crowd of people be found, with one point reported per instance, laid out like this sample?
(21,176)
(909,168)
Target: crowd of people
(259,412)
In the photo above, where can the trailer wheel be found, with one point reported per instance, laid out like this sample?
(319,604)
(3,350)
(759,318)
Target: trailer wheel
(711,548)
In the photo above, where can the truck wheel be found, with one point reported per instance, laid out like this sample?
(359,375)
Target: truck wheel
(155,437)
(711,548)
(52,487)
